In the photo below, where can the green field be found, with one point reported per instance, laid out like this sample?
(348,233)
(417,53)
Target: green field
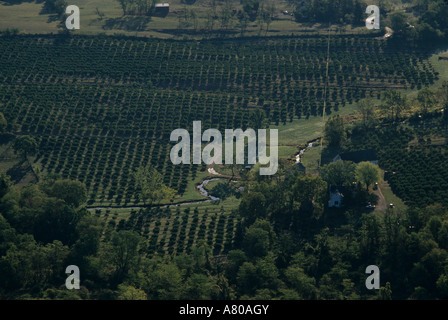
(28,18)
(100,108)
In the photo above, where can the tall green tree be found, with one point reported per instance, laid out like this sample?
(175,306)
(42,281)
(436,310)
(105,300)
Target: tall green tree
(366,109)
(243,22)
(398,22)
(301,282)
(367,173)
(247,278)
(150,186)
(385,293)
(334,131)
(73,192)
(56,221)
(309,194)
(126,292)
(162,279)
(199,287)
(121,255)
(252,207)
(426,98)
(395,103)
(251,7)
(25,145)
(123,5)
(339,173)
(256,241)
(257,119)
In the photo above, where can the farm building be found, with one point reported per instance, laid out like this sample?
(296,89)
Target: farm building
(358,156)
(162,9)
(336,196)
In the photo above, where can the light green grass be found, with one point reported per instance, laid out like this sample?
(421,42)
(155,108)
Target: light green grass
(440,66)
(228,205)
(191,192)
(303,130)
(26,17)
(390,196)
(209,186)
(311,160)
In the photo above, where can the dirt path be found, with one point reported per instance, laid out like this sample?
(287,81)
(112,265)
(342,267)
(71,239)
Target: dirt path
(381,205)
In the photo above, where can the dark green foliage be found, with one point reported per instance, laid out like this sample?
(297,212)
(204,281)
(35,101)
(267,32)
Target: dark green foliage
(283,242)
(344,11)
(55,6)
(406,168)
(251,7)
(72,192)
(127,104)
(3,123)
(25,145)
(335,131)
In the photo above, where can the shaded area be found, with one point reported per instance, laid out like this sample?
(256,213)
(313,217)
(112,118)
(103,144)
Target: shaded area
(128,23)
(5,138)
(186,31)
(18,2)
(19,171)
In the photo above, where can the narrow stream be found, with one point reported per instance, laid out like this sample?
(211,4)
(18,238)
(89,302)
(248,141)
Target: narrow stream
(204,192)
(201,188)
(299,155)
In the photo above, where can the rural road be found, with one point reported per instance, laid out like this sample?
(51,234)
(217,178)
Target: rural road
(381,205)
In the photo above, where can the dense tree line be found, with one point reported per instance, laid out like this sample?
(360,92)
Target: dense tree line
(289,246)
(342,11)
(137,7)
(55,6)
(426,20)
(428,23)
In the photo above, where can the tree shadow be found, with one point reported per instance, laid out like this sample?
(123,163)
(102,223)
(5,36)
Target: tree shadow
(128,23)
(18,2)
(328,154)
(6,138)
(192,32)
(18,171)
(53,18)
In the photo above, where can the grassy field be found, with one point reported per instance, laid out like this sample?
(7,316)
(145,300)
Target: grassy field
(440,65)
(295,135)
(28,18)
(389,195)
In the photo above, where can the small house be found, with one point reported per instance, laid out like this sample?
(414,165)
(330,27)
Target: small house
(336,197)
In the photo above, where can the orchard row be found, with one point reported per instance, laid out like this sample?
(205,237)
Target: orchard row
(174,230)
(101,107)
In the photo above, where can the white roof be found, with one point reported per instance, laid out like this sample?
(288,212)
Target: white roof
(162,5)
